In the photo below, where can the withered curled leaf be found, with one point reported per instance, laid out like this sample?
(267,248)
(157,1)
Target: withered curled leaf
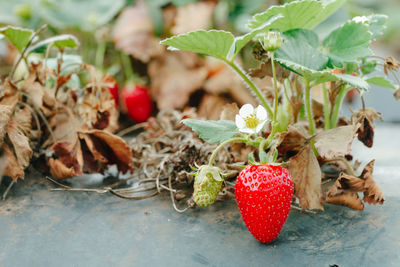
(348,199)
(372,194)
(109,149)
(17,131)
(306,174)
(292,141)
(391,64)
(77,151)
(346,186)
(5,114)
(12,168)
(97,109)
(366,119)
(396,94)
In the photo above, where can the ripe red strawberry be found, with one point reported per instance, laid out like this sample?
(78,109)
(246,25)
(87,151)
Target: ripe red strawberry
(113,88)
(138,102)
(264,193)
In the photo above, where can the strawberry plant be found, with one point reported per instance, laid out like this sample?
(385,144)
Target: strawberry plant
(294,133)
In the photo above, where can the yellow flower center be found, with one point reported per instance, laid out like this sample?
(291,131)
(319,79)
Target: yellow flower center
(251,121)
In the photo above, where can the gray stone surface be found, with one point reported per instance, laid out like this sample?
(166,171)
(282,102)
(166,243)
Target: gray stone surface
(44,228)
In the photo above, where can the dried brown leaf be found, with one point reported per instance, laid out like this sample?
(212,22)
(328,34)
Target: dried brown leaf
(97,109)
(174,77)
(67,160)
(335,142)
(396,94)
(5,115)
(292,141)
(193,16)
(366,119)
(17,134)
(348,184)
(391,64)
(372,194)
(12,168)
(306,174)
(351,200)
(113,149)
(133,33)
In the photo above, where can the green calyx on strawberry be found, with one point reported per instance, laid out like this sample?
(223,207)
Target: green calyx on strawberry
(264,194)
(207,184)
(137,101)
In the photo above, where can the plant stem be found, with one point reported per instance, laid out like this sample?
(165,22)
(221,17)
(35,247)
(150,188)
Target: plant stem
(126,64)
(338,104)
(307,96)
(253,87)
(275,88)
(25,50)
(100,52)
(220,146)
(327,115)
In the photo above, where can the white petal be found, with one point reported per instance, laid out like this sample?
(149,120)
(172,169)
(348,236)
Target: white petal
(240,123)
(261,113)
(260,126)
(247,130)
(246,110)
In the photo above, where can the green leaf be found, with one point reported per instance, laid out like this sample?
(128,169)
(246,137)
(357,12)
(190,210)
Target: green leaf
(348,43)
(213,131)
(322,76)
(301,47)
(354,81)
(18,36)
(304,14)
(214,43)
(60,42)
(377,24)
(382,82)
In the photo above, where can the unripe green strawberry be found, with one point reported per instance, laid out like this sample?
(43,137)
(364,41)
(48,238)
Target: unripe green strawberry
(264,194)
(207,184)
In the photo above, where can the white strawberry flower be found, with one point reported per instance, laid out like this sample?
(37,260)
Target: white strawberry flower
(251,120)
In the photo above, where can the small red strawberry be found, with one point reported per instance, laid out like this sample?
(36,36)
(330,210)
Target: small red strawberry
(138,102)
(264,194)
(113,88)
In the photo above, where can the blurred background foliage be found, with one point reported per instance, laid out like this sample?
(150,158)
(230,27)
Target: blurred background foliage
(85,17)
(99,26)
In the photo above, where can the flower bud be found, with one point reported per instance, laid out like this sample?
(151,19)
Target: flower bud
(272,41)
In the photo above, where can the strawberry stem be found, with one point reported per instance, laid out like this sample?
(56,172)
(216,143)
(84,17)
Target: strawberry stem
(128,70)
(327,123)
(100,52)
(252,86)
(338,104)
(307,98)
(275,88)
(220,146)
